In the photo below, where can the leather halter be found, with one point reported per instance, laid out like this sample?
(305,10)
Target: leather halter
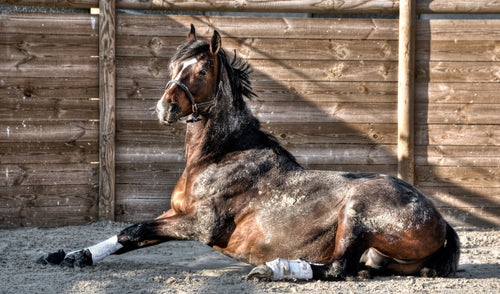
(196,106)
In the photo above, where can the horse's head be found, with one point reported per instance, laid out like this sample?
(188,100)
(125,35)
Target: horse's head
(195,79)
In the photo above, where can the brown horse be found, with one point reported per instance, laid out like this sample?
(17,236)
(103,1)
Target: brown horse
(246,196)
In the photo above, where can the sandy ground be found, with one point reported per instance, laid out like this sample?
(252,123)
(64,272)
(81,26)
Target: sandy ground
(191,267)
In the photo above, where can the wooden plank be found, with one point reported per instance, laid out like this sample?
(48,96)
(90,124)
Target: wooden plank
(445,176)
(463,6)
(338,133)
(277,70)
(47,174)
(53,3)
(107,94)
(406,70)
(472,216)
(151,132)
(49,23)
(68,132)
(462,197)
(458,113)
(269,112)
(314,91)
(49,88)
(467,135)
(458,29)
(48,152)
(259,48)
(309,6)
(457,93)
(46,216)
(21,45)
(131,209)
(48,196)
(307,153)
(252,27)
(338,154)
(148,173)
(303,6)
(32,109)
(484,156)
(51,66)
(457,71)
(455,50)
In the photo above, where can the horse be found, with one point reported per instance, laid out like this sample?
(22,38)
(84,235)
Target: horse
(246,196)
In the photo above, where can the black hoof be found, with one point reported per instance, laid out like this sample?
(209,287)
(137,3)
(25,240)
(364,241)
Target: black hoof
(80,258)
(52,258)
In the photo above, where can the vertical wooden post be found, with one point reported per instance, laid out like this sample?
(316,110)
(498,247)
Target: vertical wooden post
(107,79)
(406,169)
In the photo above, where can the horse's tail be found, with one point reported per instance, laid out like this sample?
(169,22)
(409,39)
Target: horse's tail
(445,260)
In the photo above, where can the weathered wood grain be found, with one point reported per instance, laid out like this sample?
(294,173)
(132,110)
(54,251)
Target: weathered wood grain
(458,29)
(68,132)
(453,134)
(447,176)
(473,156)
(251,27)
(50,66)
(49,23)
(278,70)
(24,88)
(48,152)
(464,72)
(107,107)
(464,113)
(34,109)
(268,111)
(48,174)
(466,93)
(260,48)
(309,6)
(281,91)
(20,45)
(406,80)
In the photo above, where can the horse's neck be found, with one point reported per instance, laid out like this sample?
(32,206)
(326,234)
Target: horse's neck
(206,139)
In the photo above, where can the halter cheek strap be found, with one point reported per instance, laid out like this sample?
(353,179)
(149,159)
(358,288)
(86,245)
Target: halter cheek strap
(196,106)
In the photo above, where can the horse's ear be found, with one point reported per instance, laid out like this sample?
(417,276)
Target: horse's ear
(192,34)
(215,44)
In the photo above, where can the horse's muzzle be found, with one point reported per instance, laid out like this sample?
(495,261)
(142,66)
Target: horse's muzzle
(169,115)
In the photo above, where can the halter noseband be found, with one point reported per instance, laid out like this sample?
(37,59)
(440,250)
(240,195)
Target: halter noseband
(196,106)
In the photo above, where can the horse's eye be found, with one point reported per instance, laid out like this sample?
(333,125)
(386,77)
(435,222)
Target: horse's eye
(203,72)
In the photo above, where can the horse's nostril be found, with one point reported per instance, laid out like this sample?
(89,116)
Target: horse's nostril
(173,107)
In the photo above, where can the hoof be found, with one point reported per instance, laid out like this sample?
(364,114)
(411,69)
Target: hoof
(260,273)
(52,258)
(365,274)
(80,258)
(428,273)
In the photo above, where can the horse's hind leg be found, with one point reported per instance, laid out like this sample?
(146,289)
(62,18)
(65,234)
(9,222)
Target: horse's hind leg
(349,243)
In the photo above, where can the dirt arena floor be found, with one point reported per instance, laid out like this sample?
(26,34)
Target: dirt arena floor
(191,267)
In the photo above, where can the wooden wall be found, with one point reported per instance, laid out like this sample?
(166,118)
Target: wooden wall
(327,90)
(457,112)
(48,119)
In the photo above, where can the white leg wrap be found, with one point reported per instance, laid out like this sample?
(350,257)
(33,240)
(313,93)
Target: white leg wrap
(105,248)
(290,269)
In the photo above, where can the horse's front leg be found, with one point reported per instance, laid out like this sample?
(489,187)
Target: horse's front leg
(178,227)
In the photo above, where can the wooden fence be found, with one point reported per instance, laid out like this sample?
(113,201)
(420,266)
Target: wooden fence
(328,89)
